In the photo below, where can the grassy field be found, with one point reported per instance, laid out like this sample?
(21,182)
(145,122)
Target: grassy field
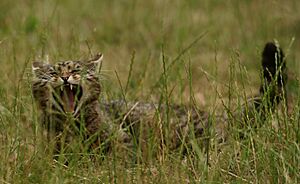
(213,49)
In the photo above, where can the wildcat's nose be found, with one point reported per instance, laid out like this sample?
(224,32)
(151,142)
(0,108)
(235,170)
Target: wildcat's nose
(65,79)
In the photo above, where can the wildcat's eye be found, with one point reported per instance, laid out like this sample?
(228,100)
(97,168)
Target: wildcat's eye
(52,72)
(75,71)
(77,68)
(56,68)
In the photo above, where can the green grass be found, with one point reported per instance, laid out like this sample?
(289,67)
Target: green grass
(152,53)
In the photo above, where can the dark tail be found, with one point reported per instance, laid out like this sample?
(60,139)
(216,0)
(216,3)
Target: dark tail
(274,73)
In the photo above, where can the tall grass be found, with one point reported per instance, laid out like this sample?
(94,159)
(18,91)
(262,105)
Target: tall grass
(154,51)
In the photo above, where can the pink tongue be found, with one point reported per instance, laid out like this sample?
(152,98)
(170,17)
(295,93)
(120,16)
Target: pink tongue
(69,99)
(71,102)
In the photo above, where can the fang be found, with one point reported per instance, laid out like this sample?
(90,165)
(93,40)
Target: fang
(71,86)
(61,88)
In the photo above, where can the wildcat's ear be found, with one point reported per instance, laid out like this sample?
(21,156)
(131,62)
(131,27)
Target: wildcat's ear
(95,63)
(37,65)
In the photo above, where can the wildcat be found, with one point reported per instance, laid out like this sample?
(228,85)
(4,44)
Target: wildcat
(67,94)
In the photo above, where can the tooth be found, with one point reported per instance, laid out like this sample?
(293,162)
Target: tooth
(71,86)
(61,88)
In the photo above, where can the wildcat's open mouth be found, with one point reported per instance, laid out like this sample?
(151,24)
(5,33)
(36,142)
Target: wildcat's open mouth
(68,96)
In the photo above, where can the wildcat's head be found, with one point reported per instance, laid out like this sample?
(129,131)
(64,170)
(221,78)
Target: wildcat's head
(69,84)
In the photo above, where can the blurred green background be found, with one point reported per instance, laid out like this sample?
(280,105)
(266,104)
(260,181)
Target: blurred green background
(76,29)
(137,37)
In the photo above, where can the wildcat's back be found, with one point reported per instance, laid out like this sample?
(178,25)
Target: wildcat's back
(188,124)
